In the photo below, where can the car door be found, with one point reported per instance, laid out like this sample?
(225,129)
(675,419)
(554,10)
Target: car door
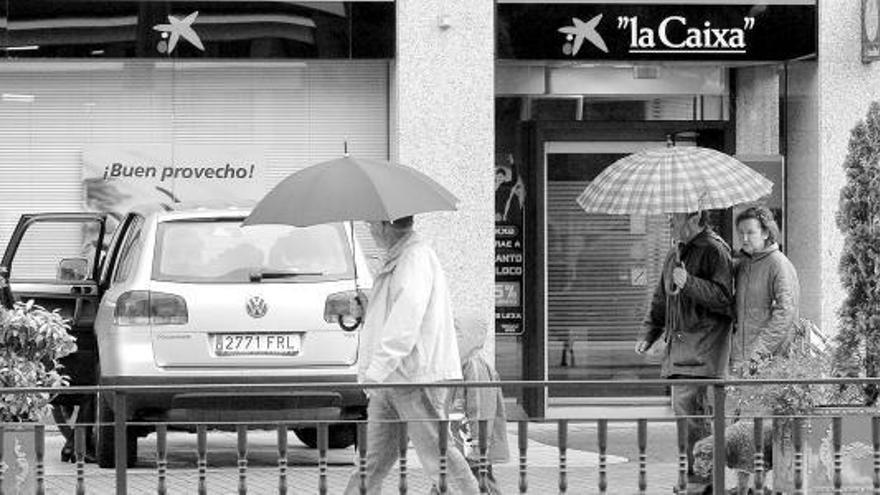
(54,259)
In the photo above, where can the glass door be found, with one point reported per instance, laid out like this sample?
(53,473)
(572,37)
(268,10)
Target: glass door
(601,271)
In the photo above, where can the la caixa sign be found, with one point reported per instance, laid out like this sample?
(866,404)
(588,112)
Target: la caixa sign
(627,31)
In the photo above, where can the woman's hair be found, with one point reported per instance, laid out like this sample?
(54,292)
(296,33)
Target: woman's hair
(765,219)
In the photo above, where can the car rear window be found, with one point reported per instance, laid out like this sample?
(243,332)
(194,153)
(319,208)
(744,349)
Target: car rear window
(224,251)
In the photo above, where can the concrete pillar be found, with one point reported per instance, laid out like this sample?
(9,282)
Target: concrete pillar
(443,124)
(846,87)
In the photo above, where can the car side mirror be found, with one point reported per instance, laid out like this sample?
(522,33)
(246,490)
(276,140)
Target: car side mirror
(73,269)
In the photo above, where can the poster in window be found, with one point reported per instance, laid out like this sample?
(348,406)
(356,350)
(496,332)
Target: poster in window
(509,258)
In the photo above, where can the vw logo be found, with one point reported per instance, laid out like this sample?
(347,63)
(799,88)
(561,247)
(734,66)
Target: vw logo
(256,307)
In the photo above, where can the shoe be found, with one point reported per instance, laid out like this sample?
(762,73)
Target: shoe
(67,454)
(694,489)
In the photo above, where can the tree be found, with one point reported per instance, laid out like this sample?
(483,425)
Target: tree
(857,349)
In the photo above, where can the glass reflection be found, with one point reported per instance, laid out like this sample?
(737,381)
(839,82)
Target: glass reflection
(233,29)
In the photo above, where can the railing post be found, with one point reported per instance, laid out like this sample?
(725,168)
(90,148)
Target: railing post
(682,430)
(602,443)
(40,452)
(2,460)
(120,411)
(362,457)
(758,434)
(562,440)
(322,457)
(242,447)
(797,440)
(836,441)
(875,439)
(444,447)
(403,437)
(202,456)
(79,449)
(523,444)
(720,451)
(483,445)
(282,459)
(642,442)
(162,459)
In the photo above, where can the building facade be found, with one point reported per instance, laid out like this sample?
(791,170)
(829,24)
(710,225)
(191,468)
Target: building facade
(513,105)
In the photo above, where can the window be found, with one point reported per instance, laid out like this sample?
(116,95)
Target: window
(224,251)
(130,251)
(45,244)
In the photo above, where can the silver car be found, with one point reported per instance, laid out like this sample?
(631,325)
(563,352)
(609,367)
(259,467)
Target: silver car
(184,295)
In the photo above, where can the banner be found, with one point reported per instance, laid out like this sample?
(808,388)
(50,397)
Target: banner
(617,31)
(510,196)
(118,178)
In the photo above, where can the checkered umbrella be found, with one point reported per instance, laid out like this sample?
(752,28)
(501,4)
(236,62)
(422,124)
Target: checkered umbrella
(673,179)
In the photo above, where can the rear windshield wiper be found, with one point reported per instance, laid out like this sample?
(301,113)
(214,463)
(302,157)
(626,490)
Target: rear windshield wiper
(260,275)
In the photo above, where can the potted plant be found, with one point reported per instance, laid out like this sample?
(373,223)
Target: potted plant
(32,340)
(816,405)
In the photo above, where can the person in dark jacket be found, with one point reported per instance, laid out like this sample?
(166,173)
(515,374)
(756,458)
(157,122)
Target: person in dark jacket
(691,311)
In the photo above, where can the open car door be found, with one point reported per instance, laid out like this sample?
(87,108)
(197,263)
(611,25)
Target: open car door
(54,259)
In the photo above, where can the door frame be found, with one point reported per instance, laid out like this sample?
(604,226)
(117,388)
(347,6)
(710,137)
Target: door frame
(712,134)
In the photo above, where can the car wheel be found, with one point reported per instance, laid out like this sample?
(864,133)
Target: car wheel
(105,448)
(338,436)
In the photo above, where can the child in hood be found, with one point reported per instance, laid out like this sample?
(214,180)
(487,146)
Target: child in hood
(473,404)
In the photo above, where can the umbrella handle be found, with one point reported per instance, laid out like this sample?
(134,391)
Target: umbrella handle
(349,328)
(679,264)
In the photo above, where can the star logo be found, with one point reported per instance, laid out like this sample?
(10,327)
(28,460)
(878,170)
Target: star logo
(180,28)
(579,31)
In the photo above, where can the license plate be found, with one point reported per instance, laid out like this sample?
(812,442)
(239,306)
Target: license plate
(273,344)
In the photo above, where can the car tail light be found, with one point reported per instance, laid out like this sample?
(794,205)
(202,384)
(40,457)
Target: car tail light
(346,308)
(142,307)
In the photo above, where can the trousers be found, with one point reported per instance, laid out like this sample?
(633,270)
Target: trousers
(421,408)
(692,400)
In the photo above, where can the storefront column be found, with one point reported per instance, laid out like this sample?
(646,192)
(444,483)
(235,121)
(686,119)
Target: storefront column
(443,124)
(846,88)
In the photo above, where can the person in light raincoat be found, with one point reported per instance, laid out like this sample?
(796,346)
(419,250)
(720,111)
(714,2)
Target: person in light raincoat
(408,337)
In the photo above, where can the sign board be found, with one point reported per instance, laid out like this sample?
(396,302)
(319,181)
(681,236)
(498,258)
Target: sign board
(870,30)
(509,250)
(115,178)
(633,31)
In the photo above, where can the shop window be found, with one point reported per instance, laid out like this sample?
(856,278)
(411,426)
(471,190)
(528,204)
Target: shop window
(218,29)
(106,135)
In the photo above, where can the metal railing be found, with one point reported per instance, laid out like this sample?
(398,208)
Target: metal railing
(719,419)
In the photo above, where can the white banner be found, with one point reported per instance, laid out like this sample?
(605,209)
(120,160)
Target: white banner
(117,178)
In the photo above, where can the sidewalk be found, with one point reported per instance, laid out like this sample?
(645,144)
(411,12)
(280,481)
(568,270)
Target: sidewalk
(542,474)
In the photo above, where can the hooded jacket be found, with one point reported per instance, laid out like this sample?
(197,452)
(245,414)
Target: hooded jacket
(408,333)
(767,298)
(695,324)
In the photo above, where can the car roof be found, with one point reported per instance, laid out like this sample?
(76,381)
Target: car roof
(195,209)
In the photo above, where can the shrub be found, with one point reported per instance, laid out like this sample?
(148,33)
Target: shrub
(857,344)
(806,359)
(32,340)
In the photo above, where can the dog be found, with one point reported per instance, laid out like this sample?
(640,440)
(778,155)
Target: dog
(739,443)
